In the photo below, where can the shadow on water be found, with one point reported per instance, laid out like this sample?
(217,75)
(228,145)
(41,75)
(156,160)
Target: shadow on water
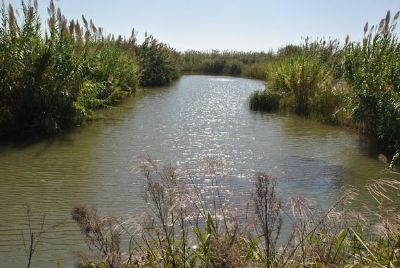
(312,173)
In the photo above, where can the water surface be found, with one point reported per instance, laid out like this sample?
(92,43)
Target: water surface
(196,120)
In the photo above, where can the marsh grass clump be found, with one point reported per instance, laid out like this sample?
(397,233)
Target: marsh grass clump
(43,75)
(265,101)
(184,227)
(301,77)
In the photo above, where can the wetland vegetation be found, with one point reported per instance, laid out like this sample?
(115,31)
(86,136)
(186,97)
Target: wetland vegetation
(352,84)
(55,73)
(53,80)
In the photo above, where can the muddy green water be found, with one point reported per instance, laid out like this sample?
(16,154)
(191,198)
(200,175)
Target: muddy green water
(196,120)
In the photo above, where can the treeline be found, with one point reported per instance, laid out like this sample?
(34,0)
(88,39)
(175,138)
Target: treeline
(355,84)
(55,79)
(236,63)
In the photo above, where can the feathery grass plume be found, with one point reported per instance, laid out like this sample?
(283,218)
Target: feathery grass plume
(268,210)
(12,22)
(102,235)
(387,22)
(184,228)
(371,69)
(54,80)
(380,189)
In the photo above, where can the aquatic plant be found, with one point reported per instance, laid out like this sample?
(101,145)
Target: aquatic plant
(265,100)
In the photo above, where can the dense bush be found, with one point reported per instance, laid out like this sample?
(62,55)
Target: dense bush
(302,77)
(373,70)
(55,79)
(265,100)
(158,63)
(39,77)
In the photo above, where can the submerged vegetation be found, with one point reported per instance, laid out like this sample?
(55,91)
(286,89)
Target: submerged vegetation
(189,227)
(355,84)
(55,79)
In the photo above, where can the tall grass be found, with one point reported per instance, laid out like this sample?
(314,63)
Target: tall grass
(354,84)
(53,79)
(302,77)
(158,63)
(372,67)
(184,228)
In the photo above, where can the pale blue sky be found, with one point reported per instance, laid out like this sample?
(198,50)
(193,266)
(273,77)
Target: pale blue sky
(229,24)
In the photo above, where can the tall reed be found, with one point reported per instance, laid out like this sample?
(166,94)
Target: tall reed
(372,68)
(53,79)
(355,83)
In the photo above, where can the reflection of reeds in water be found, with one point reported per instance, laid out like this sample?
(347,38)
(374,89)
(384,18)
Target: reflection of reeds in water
(184,228)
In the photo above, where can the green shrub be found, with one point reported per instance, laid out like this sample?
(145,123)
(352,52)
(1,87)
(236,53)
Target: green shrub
(329,104)
(372,68)
(158,63)
(115,65)
(214,66)
(257,71)
(249,64)
(302,77)
(265,101)
(40,77)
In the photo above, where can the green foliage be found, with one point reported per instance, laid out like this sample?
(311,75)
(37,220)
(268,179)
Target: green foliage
(55,79)
(373,70)
(332,104)
(302,77)
(40,78)
(158,63)
(114,64)
(356,84)
(265,101)
(250,64)
(256,70)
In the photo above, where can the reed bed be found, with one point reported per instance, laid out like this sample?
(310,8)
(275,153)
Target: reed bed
(353,84)
(51,80)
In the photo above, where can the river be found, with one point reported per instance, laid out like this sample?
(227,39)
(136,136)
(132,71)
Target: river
(196,120)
